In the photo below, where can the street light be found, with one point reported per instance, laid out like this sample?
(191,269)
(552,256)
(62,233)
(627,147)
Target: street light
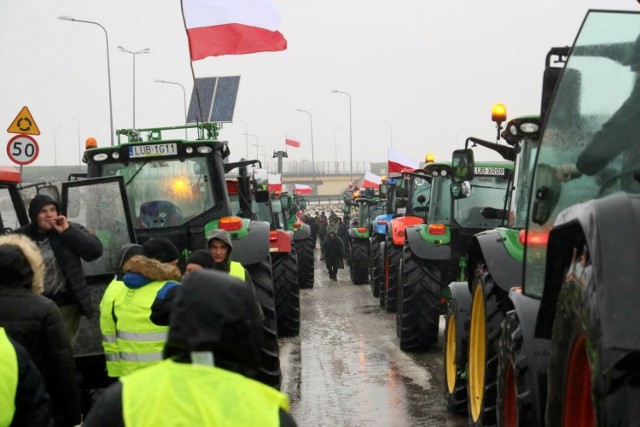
(256,144)
(313,163)
(69,18)
(264,154)
(335,144)
(184,99)
(55,146)
(79,145)
(133,55)
(350,135)
(246,136)
(390,130)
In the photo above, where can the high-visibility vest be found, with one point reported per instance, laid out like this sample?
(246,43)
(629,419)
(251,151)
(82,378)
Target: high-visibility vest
(236,270)
(108,327)
(191,395)
(138,341)
(8,379)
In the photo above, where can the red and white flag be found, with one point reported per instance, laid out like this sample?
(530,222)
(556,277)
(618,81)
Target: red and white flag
(399,162)
(371,180)
(231,27)
(275,181)
(291,140)
(302,189)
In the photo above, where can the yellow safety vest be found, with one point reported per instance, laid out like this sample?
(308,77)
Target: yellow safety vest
(196,395)
(8,379)
(138,341)
(236,270)
(108,327)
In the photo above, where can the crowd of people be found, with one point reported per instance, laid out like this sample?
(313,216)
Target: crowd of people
(333,234)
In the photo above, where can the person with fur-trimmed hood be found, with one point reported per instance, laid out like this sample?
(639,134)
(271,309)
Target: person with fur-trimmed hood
(131,338)
(34,321)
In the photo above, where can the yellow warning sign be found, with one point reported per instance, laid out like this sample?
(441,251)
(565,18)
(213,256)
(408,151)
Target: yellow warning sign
(24,123)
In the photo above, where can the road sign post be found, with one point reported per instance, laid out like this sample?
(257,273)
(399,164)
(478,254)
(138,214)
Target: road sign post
(22,149)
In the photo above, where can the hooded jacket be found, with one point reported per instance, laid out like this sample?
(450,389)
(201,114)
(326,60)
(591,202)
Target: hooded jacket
(34,321)
(69,247)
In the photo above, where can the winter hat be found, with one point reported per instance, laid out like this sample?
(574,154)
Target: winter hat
(201,257)
(39,202)
(161,249)
(126,252)
(21,263)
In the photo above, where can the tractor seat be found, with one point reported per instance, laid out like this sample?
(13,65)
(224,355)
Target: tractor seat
(159,214)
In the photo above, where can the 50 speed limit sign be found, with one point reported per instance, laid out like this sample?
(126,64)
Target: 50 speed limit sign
(22,149)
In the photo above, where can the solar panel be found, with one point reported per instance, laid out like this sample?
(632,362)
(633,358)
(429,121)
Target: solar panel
(217,99)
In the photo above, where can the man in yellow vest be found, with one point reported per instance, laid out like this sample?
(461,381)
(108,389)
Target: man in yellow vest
(212,358)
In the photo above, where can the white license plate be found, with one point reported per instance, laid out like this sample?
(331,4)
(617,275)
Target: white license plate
(152,150)
(489,171)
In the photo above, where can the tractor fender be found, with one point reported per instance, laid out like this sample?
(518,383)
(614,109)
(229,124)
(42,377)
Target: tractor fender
(505,270)
(610,229)
(380,223)
(426,250)
(460,293)
(397,228)
(254,247)
(280,240)
(302,233)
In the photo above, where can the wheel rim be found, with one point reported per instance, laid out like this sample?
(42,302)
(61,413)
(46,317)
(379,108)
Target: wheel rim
(510,410)
(578,404)
(477,344)
(450,356)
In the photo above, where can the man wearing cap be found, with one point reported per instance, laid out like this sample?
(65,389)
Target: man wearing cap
(199,260)
(63,245)
(133,339)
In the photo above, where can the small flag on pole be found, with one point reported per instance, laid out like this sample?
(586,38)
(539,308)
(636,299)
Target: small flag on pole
(275,182)
(399,162)
(291,141)
(371,180)
(302,189)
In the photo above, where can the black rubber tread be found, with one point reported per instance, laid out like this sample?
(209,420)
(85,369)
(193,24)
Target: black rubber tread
(512,353)
(418,313)
(285,281)
(616,392)
(382,297)
(304,251)
(263,283)
(375,269)
(457,400)
(497,304)
(359,261)
(391,295)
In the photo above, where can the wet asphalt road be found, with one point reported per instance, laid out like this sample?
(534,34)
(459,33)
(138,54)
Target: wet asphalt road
(346,368)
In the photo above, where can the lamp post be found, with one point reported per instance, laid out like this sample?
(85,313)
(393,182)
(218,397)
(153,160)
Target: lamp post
(313,162)
(246,136)
(55,146)
(391,132)
(335,145)
(184,99)
(350,136)
(264,153)
(69,18)
(79,145)
(133,55)
(256,145)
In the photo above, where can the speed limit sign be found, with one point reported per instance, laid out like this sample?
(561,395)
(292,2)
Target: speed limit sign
(22,149)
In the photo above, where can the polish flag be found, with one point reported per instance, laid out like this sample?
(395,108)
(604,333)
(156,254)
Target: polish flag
(399,162)
(292,140)
(275,181)
(231,27)
(302,189)
(371,180)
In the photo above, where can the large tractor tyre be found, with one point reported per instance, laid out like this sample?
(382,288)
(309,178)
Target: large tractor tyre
(359,261)
(304,250)
(393,277)
(384,254)
(418,313)
(456,333)
(514,401)
(285,281)
(375,273)
(489,305)
(261,276)
(580,392)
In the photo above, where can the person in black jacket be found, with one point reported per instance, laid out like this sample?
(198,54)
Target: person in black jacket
(34,321)
(63,244)
(333,252)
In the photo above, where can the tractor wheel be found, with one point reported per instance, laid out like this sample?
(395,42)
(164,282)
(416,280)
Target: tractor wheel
(285,280)
(489,305)
(580,392)
(359,261)
(418,313)
(375,275)
(270,361)
(456,333)
(384,254)
(304,250)
(514,402)
(393,277)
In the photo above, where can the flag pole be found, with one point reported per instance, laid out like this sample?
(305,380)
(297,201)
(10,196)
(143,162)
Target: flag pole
(193,74)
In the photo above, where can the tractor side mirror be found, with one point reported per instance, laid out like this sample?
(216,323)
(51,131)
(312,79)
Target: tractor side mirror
(462,164)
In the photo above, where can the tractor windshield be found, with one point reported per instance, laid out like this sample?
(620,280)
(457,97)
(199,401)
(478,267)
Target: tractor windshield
(440,200)
(486,192)
(520,197)
(420,191)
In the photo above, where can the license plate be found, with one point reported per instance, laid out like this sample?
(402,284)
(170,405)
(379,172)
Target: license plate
(489,171)
(153,150)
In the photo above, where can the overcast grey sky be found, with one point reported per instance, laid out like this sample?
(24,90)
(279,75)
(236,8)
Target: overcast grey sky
(425,72)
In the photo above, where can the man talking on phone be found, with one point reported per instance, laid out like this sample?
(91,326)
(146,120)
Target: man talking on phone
(63,244)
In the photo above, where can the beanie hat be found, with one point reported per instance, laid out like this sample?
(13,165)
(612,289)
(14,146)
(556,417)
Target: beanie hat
(126,252)
(37,203)
(161,249)
(201,257)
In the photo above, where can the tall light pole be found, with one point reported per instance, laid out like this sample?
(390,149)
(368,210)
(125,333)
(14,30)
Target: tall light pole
(256,145)
(246,136)
(79,145)
(69,18)
(184,99)
(133,55)
(391,132)
(264,153)
(350,135)
(313,162)
(335,144)
(55,146)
